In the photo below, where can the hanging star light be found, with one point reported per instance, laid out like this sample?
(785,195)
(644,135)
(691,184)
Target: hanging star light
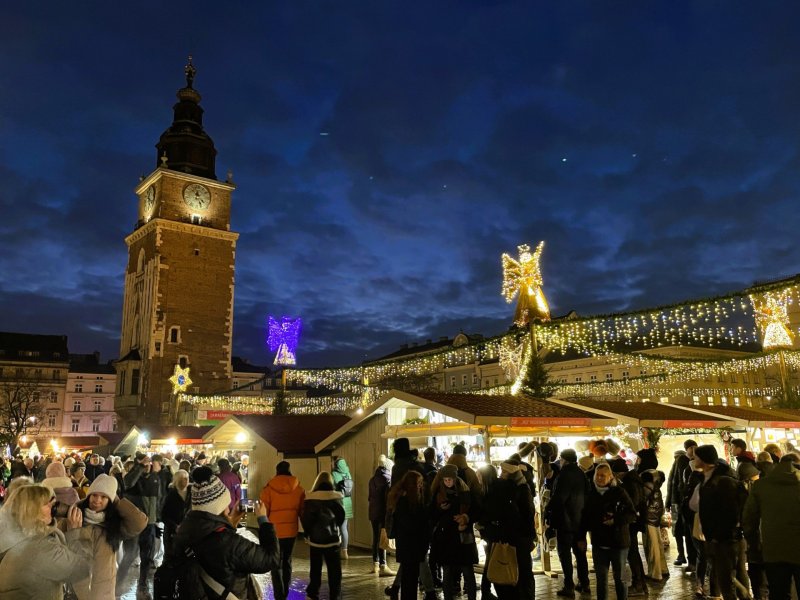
(283,336)
(180,380)
(524,276)
(772,316)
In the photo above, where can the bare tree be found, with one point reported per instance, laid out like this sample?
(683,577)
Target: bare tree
(21,409)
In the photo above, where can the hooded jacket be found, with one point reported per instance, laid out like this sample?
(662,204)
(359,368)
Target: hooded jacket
(569,494)
(774,507)
(652,480)
(322,518)
(342,471)
(675,487)
(614,505)
(224,554)
(378,491)
(722,499)
(35,567)
(283,496)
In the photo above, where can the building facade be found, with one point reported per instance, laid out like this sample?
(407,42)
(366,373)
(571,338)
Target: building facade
(89,397)
(179,281)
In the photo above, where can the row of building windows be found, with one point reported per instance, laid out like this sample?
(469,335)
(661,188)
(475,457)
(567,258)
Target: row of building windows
(25,373)
(98,387)
(76,406)
(610,377)
(475,381)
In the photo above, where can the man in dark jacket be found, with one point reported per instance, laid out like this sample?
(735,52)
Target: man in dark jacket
(771,514)
(226,557)
(674,501)
(633,485)
(94,468)
(722,499)
(564,513)
(142,488)
(378,492)
(404,460)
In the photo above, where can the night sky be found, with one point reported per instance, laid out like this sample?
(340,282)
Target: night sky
(387,153)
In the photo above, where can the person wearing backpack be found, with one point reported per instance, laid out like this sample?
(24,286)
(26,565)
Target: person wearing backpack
(219,559)
(323,518)
(343,483)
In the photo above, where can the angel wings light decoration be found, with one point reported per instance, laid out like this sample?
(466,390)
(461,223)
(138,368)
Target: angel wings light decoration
(283,336)
(524,277)
(772,316)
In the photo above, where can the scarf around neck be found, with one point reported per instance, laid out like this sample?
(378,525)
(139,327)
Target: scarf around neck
(94,518)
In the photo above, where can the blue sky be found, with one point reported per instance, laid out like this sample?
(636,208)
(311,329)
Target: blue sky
(654,146)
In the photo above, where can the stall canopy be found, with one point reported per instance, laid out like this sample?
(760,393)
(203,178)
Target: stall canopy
(291,435)
(652,414)
(751,417)
(161,435)
(67,443)
(475,414)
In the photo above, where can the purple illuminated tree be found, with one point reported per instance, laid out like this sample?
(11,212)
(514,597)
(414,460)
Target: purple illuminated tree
(283,336)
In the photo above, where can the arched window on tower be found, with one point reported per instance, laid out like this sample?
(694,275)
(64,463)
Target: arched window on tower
(140,261)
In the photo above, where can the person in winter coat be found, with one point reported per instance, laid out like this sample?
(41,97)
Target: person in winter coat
(465,472)
(341,473)
(142,488)
(283,497)
(323,517)
(107,520)
(66,495)
(209,529)
(508,517)
(607,514)
(408,523)
(403,460)
(652,478)
(177,503)
(232,482)
(94,468)
(633,485)
(453,544)
(379,485)
(564,513)
(771,513)
(764,463)
(36,559)
(721,499)
(79,481)
(674,501)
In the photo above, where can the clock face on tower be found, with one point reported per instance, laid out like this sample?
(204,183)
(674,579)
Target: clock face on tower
(149,199)
(196,196)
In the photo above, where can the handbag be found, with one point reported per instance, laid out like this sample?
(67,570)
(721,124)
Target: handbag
(386,543)
(502,568)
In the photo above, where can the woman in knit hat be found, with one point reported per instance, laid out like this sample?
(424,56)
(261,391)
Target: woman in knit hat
(209,529)
(79,480)
(66,495)
(107,520)
(453,544)
(37,557)
(322,518)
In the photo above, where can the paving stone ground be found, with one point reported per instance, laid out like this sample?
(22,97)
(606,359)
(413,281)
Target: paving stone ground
(359,584)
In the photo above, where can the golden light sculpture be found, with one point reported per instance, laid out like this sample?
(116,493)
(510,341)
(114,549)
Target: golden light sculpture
(511,355)
(524,277)
(180,380)
(772,317)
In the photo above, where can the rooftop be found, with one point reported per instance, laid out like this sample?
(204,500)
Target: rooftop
(30,347)
(293,434)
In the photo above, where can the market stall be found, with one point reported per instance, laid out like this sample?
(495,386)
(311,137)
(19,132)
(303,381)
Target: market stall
(162,439)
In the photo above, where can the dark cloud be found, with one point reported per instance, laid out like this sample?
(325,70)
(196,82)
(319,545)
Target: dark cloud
(653,146)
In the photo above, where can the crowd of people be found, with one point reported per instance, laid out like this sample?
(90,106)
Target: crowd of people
(73,527)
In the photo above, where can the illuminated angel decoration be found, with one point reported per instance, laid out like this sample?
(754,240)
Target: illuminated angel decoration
(283,336)
(525,277)
(772,316)
(180,380)
(511,358)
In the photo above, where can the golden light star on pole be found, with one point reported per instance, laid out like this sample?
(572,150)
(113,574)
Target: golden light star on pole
(180,379)
(524,276)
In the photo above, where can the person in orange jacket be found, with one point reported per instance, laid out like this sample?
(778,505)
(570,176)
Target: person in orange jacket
(283,497)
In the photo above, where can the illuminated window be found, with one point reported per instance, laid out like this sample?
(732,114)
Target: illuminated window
(711,400)
(664,400)
(197,220)
(736,400)
(696,400)
(724,400)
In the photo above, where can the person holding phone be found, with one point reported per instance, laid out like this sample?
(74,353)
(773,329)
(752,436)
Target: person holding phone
(37,557)
(209,530)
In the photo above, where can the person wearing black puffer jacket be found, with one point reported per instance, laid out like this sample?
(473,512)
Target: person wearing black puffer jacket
(607,514)
(633,485)
(142,488)
(210,530)
(378,492)
(564,512)
(322,517)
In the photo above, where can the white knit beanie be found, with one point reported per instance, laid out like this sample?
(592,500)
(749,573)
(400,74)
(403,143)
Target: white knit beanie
(210,496)
(104,484)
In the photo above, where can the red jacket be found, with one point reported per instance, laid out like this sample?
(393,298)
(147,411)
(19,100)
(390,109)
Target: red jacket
(283,497)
